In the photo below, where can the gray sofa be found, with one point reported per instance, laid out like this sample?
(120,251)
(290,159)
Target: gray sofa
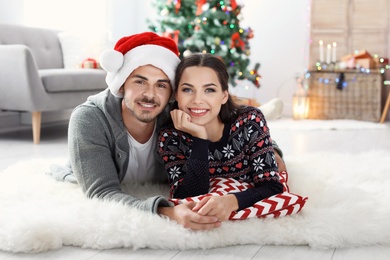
(33,77)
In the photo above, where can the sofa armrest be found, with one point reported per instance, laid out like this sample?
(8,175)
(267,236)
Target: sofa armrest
(20,83)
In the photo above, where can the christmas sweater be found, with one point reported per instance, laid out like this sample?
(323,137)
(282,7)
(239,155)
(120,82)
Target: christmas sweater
(244,153)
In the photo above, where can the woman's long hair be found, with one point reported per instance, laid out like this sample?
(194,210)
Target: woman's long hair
(228,110)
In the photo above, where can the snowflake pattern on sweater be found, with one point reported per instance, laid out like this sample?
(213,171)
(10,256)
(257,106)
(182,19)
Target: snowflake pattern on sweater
(244,153)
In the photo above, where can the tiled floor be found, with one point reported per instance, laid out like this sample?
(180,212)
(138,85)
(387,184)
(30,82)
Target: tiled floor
(18,146)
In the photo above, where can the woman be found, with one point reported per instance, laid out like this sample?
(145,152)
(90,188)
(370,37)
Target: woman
(213,137)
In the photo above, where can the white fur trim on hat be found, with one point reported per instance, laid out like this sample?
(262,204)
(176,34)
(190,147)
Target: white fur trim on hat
(118,70)
(111,60)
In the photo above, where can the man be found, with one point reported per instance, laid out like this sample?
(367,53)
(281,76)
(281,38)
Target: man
(112,136)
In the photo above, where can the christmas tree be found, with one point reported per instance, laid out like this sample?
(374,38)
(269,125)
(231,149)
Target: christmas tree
(208,26)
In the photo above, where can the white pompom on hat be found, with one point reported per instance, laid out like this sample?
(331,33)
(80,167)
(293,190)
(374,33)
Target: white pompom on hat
(137,50)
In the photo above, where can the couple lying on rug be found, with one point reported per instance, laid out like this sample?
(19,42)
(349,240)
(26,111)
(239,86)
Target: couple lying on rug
(219,158)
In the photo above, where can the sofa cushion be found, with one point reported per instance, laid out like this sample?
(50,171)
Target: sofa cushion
(43,43)
(63,80)
(77,47)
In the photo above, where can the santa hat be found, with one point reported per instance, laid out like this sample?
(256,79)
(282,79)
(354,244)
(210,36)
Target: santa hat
(137,50)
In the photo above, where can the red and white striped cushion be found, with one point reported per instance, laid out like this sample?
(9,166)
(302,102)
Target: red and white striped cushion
(279,205)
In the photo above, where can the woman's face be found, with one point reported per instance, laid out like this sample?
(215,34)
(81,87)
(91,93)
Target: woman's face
(200,95)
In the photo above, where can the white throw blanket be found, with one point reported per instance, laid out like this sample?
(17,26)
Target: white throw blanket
(349,205)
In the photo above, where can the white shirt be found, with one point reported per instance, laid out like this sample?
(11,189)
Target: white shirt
(141,168)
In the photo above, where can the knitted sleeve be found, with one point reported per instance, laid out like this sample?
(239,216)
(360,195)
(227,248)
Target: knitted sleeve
(186,162)
(93,160)
(262,161)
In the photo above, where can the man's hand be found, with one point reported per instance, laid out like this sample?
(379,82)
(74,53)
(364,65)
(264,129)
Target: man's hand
(218,206)
(280,163)
(185,216)
(182,121)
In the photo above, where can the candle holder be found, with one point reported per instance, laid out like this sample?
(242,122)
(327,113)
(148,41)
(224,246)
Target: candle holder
(331,66)
(300,106)
(301,102)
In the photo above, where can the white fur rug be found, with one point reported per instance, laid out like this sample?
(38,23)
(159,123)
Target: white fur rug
(349,205)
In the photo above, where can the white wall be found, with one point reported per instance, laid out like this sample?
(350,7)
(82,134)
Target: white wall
(280,44)
(56,14)
(11,11)
(126,17)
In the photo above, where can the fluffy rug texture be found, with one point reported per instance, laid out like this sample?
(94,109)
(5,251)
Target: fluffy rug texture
(348,206)
(312,124)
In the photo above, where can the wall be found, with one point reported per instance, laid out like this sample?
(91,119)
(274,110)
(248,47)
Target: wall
(11,11)
(280,43)
(59,15)
(127,17)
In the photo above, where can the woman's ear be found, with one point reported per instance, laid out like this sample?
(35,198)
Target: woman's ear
(225,97)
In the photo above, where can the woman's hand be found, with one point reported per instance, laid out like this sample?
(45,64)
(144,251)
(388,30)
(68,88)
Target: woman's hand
(218,206)
(182,121)
(184,215)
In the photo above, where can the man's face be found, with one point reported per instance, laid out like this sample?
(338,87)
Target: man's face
(146,93)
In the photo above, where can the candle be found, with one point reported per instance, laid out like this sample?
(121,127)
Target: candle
(321,51)
(328,53)
(334,52)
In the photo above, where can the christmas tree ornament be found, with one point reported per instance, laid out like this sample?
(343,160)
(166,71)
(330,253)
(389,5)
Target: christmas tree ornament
(216,22)
(237,41)
(164,12)
(205,7)
(200,4)
(250,33)
(233,4)
(187,53)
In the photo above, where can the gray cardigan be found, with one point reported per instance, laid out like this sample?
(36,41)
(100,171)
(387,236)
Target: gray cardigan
(99,152)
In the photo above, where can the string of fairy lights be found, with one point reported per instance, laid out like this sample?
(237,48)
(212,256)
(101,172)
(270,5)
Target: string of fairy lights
(331,79)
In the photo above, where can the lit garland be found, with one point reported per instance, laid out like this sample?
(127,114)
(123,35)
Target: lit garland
(382,65)
(344,83)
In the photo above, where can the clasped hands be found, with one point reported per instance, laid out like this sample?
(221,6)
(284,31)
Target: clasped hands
(204,215)
(220,207)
